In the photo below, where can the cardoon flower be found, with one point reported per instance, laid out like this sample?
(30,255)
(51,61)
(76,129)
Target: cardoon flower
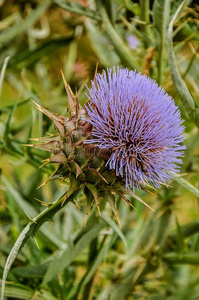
(139,125)
(128,135)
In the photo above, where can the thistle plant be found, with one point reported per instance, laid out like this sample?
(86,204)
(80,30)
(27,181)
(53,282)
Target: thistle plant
(129,134)
(123,146)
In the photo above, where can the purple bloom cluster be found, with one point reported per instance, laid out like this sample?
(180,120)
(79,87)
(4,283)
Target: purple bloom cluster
(138,123)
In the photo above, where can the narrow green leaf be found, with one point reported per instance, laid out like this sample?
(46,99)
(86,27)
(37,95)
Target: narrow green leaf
(161,10)
(7,108)
(70,254)
(180,238)
(2,75)
(101,255)
(7,128)
(186,184)
(179,83)
(30,271)
(115,228)
(78,10)
(129,5)
(29,210)
(16,292)
(28,57)
(12,256)
(187,231)
(106,55)
(70,61)
(188,258)
(122,50)
(145,15)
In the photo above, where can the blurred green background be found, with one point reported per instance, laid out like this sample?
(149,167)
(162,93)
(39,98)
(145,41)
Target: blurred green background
(156,254)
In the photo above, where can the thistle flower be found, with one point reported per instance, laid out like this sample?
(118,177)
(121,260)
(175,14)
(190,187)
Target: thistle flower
(138,123)
(128,134)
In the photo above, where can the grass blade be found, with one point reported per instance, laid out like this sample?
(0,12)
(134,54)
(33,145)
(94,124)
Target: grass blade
(2,75)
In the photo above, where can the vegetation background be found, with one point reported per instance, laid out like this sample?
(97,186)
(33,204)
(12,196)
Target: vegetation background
(156,254)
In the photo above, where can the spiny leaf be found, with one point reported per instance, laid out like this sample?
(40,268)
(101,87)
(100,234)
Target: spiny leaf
(59,157)
(58,120)
(51,146)
(132,194)
(95,172)
(123,197)
(74,186)
(108,196)
(77,168)
(94,191)
(71,110)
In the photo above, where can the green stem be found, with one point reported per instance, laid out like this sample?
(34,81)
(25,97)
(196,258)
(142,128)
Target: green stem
(176,258)
(144,12)
(111,11)
(144,16)
(178,82)
(92,255)
(161,9)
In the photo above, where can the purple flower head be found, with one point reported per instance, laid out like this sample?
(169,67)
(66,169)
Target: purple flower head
(133,41)
(138,123)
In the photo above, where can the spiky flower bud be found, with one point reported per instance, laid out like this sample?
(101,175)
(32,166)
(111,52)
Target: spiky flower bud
(128,135)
